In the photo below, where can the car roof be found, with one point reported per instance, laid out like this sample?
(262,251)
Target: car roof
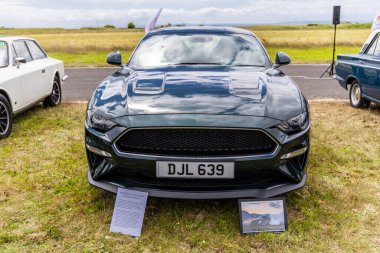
(201,29)
(13,38)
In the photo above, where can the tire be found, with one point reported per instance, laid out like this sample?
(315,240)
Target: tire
(355,95)
(55,97)
(6,118)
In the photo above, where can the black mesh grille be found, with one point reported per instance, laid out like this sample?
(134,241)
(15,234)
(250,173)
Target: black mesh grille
(195,142)
(256,181)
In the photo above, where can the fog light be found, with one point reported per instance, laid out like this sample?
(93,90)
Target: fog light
(294,153)
(98,151)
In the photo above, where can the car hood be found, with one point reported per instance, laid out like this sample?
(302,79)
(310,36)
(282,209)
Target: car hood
(190,90)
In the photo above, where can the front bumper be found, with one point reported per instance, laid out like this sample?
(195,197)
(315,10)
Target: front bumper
(64,78)
(260,176)
(342,82)
(248,193)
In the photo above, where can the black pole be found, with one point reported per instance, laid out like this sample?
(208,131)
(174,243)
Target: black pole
(336,21)
(333,59)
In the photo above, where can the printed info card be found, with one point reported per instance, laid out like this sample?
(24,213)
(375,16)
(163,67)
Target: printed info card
(128,214)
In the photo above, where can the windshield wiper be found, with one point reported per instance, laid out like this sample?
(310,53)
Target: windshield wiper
(198,63)
(246,65)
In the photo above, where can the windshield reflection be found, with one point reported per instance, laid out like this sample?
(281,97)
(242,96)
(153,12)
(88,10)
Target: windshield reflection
(198,49)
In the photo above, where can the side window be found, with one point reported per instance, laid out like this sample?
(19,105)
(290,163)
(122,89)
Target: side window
(35,50)
(371,50)
(377,50)
(22,50)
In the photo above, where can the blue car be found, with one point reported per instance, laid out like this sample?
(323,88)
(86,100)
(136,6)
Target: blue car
(360,73)
(198,113)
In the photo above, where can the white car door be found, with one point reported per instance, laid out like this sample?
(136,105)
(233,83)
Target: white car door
(32,76)
(42,62)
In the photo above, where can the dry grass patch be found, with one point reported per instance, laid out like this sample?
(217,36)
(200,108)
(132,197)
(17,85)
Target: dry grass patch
(313,38)
(126,40)
(93,42)
(46,204)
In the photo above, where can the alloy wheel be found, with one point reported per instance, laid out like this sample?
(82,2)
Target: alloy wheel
(4,118)
(56,96)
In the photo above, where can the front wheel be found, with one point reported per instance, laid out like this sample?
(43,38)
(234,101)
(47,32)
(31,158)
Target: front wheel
(6,118)
(55,97)
(356,98)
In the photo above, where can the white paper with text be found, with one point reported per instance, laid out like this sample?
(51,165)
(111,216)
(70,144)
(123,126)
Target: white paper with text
(128,213)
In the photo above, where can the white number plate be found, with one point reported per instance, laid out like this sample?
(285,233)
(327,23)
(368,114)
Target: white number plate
(203,170)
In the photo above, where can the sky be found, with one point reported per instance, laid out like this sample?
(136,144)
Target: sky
(76,14)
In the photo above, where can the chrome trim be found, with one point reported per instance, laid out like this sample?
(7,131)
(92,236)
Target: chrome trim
(294,153)
(361,65)
(370,98)
(98,151)
(64,78)
(212,158)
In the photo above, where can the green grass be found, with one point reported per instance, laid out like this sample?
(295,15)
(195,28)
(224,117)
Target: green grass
(317,55)
(89,47)
(86,59)
(46,204)
(298,55)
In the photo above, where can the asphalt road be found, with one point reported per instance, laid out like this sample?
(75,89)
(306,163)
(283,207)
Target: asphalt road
(83,81)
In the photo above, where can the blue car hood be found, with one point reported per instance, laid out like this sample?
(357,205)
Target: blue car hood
(214,91)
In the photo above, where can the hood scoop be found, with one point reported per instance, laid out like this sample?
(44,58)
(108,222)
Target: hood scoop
(148,83)
(197,92)
(248,85)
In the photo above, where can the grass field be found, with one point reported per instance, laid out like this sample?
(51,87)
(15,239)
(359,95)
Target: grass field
(46,204)
(89,47)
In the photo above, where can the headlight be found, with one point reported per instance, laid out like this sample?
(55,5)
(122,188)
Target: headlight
(298,123)
(96,121)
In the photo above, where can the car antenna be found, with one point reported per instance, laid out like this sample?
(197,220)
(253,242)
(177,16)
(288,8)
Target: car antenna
(152,22)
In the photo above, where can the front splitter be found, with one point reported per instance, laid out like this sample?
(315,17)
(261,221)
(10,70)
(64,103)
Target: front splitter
(246,193)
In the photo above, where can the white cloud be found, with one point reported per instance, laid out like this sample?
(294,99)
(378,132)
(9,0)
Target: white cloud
(71,13)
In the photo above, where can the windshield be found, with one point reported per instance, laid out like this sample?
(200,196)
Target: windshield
(3,54)
(206,49)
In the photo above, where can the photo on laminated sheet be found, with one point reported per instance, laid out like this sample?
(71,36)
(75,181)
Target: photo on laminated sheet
(262,215)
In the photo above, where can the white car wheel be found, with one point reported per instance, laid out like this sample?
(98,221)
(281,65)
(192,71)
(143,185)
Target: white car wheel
(356,98)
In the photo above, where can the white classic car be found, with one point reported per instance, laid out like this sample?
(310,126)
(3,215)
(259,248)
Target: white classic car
(27,76)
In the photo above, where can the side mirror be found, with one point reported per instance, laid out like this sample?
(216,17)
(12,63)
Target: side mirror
(282,59)
(20,60)
(114,58)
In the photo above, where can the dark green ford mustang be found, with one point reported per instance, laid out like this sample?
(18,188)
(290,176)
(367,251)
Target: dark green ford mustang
(198,113)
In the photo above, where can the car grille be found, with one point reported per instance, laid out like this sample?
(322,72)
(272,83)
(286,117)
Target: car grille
(196,142)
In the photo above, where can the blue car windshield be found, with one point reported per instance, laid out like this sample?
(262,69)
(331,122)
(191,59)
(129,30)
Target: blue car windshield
(199,49)
(3,54)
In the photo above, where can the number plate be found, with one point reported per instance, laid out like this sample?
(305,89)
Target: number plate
(203,170)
